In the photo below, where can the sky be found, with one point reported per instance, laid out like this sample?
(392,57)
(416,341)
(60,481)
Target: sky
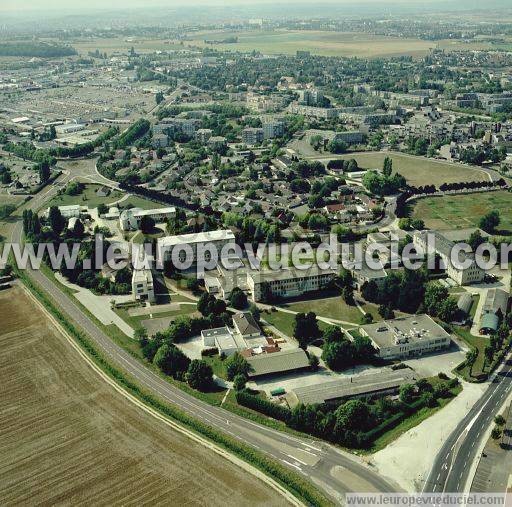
(17,6)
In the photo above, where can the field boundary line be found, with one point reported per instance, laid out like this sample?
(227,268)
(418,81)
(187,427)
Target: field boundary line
(154,413)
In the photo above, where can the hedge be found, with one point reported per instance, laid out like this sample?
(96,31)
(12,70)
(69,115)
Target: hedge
(298,486)
(261,405)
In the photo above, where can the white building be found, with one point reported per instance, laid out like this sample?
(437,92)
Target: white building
(223,339)
(143,288)
(183,242)
(129,220)
(287,283)
(70,211)
(406,337)
(431,242)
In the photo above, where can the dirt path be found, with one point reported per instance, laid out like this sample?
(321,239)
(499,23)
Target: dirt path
(69,438)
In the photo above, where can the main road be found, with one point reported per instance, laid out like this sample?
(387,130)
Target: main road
(453,464)
(334,471)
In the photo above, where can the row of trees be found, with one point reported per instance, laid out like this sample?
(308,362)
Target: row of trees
(356,422)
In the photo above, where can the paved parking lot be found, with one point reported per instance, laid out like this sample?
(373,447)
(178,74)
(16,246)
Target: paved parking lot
(431,365)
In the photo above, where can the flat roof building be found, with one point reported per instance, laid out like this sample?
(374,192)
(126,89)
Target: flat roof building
(183,242)
(143,288)
(405,337)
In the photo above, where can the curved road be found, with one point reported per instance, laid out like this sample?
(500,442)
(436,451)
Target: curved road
(334,471)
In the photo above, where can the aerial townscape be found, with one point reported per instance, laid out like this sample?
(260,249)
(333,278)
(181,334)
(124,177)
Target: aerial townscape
(255,253)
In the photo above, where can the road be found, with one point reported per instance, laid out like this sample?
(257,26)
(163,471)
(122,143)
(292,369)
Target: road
(452,466)
(333,470)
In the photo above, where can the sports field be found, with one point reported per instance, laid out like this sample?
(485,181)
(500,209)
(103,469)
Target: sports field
(419,171)
(68,438)
(323,43)
(464,211)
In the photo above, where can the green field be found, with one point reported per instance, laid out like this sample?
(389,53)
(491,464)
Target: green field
(87,198)
(464,211)
(419,171)
(139,202)
(335,308)
(123,45)
(325,43)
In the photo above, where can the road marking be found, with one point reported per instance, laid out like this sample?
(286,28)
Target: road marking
(292,465)
(297,459)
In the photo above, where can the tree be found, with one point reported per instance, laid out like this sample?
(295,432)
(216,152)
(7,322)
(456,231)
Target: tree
(407,392)
(496,433)
(238,298)
(499,420)
(56,220)
(78,229)
(447,309)
(171,360)
(435,294)
(489,353)
(347,294)
(314,362)
(337,146)
(102,209)
(239,382)
(471,357)
(388,167)
(352,415)
(305,328)
(44,172)
(332,334)
(199,375)
(237,365)
(475,240)
(338,355)
(363,348)
(370,291)
(159,98)
(147,224)
(490,221)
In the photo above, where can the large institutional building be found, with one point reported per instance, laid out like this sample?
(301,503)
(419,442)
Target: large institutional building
(288,283)
(183,242)
(406,337)
(129,220)
(433,242)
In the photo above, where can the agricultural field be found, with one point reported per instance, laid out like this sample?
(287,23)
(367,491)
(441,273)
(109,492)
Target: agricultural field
(67,437)
(123,45)
(464,211)
(419,171)
(321,43)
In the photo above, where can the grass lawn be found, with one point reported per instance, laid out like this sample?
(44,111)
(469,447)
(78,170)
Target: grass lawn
(87,198)
(479,343)
(335,308)
(418,170)
(464,211)
(218,365)
(139,202)
(284,321)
